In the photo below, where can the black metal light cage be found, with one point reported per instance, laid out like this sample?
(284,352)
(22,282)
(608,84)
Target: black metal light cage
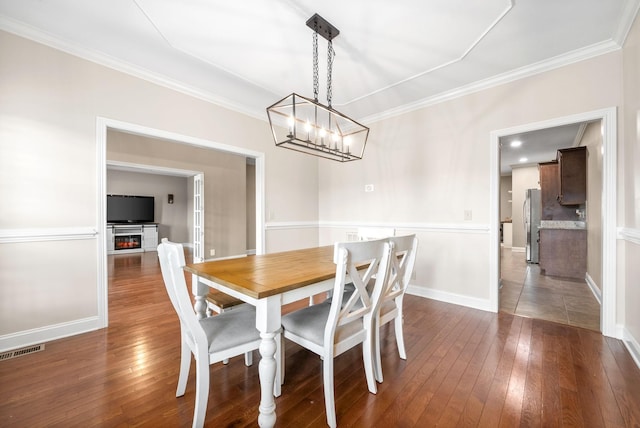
(302,124)
(307,126)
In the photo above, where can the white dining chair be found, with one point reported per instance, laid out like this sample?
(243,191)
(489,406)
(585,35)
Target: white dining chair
(209,340)
(328,329)
(389,306)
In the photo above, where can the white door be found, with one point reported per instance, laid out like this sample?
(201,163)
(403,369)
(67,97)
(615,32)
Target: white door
(198,218)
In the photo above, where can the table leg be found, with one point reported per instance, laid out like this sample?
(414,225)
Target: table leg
(267,370)
(199,291)
(268,323)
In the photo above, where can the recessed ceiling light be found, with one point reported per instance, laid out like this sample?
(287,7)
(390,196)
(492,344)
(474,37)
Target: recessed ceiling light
(516,143)
(523,160)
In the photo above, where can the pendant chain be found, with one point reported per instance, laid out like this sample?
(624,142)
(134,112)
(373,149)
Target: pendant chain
(330,55)
(316,85)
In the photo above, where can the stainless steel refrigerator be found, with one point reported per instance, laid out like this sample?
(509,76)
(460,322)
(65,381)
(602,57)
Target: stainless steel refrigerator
(531,215)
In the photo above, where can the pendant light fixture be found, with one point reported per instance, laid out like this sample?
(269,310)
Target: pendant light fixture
(305,125)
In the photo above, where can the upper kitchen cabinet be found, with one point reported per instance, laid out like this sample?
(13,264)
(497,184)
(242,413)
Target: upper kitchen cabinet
(572,169)
(549,191)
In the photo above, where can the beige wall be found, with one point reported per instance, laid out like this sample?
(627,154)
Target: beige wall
(506,197)
(629,194)
(523,178)
(251,206)
(592,140)
(432,164)
(50,104)
(428,166)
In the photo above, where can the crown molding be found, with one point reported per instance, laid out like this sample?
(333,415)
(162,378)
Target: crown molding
(39,36)
(630,10)
(612,45)
(510,76)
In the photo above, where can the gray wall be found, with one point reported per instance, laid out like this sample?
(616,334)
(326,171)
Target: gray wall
(172,219)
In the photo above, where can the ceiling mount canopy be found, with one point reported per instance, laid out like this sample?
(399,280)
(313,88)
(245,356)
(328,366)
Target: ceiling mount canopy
(305,125)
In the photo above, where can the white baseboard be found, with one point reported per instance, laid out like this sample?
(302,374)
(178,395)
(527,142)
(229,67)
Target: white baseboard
(633,346)
(518,249)
(594,288)
(456,299)
(48,333)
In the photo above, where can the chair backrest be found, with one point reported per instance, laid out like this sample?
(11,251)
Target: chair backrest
(171,256)
(361,261)
(401,266)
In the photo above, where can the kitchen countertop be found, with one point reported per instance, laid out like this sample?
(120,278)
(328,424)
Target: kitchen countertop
(562,224)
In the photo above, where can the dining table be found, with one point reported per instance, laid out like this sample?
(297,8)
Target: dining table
(266,281)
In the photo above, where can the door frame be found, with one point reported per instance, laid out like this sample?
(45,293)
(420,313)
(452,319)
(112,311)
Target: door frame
(102,125)
(608,118)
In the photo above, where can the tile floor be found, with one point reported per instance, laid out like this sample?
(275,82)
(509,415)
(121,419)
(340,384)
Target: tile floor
(526,292)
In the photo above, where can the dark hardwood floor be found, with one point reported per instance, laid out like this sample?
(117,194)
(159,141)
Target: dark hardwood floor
(465,368)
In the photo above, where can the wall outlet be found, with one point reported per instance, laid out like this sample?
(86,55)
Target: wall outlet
(212,252)
(368,187)
(467,215)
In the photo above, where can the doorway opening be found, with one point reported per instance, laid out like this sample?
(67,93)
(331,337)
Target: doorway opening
(103,125)
(608,213)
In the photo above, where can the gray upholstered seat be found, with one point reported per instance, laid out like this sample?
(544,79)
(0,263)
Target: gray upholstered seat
(209,340)
(333,327)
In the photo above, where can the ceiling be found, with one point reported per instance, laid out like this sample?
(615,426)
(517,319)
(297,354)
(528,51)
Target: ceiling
(537,146)
(391,56)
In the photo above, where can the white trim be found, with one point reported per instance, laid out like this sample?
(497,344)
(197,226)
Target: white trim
(632,346)
(35,34)
(291,225)
(578,55)
(422,227)
(594,288)
(627,19)
(630,235)
(501,79)
(608,116)
(48,333)
(151,169)
(102,124)
(518,249)
(9,236)
(456,299)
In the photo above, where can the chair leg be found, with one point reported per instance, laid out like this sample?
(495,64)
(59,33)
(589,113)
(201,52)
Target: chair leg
(369,360)
(376,353)
(400,336)
(185,364)
(329,400)
(202,390)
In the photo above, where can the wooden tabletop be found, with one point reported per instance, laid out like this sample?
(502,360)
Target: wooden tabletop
(269,274)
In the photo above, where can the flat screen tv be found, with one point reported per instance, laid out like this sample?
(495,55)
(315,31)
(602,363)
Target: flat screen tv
(130,209)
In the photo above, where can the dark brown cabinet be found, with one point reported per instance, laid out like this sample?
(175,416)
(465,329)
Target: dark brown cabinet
(563,252)
(572,172)
(549,192)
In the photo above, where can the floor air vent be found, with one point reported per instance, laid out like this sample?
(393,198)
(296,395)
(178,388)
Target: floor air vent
(20,352)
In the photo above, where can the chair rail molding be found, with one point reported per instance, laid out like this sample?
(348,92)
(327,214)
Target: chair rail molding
(421,227)
(8,236)
(629,234)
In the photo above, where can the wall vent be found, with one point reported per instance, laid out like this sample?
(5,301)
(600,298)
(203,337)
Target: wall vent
(22,351)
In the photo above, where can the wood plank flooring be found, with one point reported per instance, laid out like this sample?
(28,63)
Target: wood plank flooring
(465,368)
